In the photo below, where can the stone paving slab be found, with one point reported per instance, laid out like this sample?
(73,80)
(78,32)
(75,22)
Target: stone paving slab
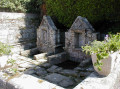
(27,82)
(2,83)
(39,69)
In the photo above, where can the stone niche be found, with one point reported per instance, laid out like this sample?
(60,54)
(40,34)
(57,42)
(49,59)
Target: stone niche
(80,33)
(47,36)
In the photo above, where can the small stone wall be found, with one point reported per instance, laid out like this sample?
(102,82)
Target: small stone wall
(18,30)
(80,33)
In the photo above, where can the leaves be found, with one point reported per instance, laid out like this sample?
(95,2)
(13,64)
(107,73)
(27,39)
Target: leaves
(102,49)
(4,49)
(94,10)
(21,5)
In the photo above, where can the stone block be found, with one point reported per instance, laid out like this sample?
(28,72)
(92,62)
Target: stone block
(60,79)
(29,82)
(2,83)
(69,72)
(85,62)
(46,65)
(40,56)
(29,52)
(41,71)
(27,65)
(54,69)
(57,58)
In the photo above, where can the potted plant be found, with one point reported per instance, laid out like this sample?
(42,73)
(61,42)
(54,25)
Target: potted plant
(104,53)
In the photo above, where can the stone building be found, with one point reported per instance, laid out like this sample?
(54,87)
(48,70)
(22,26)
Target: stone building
(80,33)
(47,36)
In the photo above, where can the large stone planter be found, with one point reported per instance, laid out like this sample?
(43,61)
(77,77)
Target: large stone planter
(108,64)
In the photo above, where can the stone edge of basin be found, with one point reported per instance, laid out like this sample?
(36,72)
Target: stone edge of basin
(27,82)
(95,81)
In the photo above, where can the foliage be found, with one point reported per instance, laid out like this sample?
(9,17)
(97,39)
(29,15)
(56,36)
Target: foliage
(94,10)
(102,49)
(11,61)
(4,49)
(20,5)
(13,70)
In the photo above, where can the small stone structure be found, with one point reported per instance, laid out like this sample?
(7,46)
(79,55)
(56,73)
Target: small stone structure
(25,71)
(80,33)
(47,36)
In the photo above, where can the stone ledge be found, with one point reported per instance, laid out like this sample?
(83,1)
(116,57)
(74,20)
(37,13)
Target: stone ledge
(27,82)
(2,83)
(57,58)
(95,81)
(8,15)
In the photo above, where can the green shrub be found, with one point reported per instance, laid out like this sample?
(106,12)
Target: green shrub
(20,5)
(102,49)
(4,49)
(94,10)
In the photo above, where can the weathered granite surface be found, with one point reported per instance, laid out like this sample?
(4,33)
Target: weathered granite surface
(57,58)
(41,69)
(95,81)
(18,30)
(80,33)
(29,82)
(38,72)
(47,35)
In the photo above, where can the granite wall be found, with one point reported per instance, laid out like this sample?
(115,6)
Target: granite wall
(18,30)
(80,33)
(48,38)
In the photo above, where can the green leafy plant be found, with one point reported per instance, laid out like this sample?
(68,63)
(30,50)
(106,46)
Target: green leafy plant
(11,61)
(94,10)
(4,49)
(103,49)
(13,70)
(20,5)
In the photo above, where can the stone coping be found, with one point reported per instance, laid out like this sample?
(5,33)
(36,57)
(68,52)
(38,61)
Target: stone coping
(27,82)
(95,81)
(9,15)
